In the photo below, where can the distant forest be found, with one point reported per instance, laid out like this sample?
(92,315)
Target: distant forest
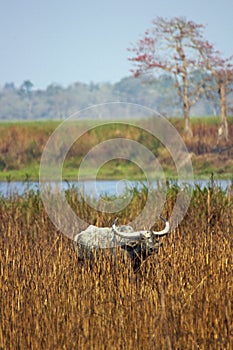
(58,102)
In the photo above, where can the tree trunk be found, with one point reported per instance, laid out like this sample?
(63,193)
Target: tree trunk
(186,103)
(223,129)
(187,126)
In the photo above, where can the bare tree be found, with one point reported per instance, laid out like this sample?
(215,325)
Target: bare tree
(223,79)
(222,73)
(177,47)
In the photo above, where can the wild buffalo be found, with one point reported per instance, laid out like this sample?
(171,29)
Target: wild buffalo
(136,245)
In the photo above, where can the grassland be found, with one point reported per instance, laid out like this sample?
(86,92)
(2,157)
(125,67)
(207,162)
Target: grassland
(181,298)
(22,144)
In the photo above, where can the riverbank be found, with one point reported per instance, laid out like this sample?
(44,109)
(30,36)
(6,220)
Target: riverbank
(22,144)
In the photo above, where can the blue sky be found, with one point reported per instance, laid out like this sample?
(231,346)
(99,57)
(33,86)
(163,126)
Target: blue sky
(64,41)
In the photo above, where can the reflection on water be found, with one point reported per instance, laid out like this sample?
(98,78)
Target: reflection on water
(95,189)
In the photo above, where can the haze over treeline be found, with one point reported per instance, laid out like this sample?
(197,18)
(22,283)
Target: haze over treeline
(58,102)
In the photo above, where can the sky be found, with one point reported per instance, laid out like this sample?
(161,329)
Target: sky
(65,41)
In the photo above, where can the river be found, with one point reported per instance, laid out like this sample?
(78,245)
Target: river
(92,188)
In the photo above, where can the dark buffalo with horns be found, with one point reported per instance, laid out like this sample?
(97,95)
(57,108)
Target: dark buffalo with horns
(136,245)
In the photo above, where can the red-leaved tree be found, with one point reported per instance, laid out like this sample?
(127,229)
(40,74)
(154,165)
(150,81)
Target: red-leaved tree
(176,46)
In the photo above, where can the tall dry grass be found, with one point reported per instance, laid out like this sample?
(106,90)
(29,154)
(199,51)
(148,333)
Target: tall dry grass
(181,298)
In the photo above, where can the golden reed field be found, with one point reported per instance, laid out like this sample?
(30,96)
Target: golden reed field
(180,298)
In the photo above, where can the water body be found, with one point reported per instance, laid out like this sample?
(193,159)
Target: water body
(93,188)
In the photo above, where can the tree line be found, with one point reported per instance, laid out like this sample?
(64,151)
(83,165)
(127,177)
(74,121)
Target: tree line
(57,102)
